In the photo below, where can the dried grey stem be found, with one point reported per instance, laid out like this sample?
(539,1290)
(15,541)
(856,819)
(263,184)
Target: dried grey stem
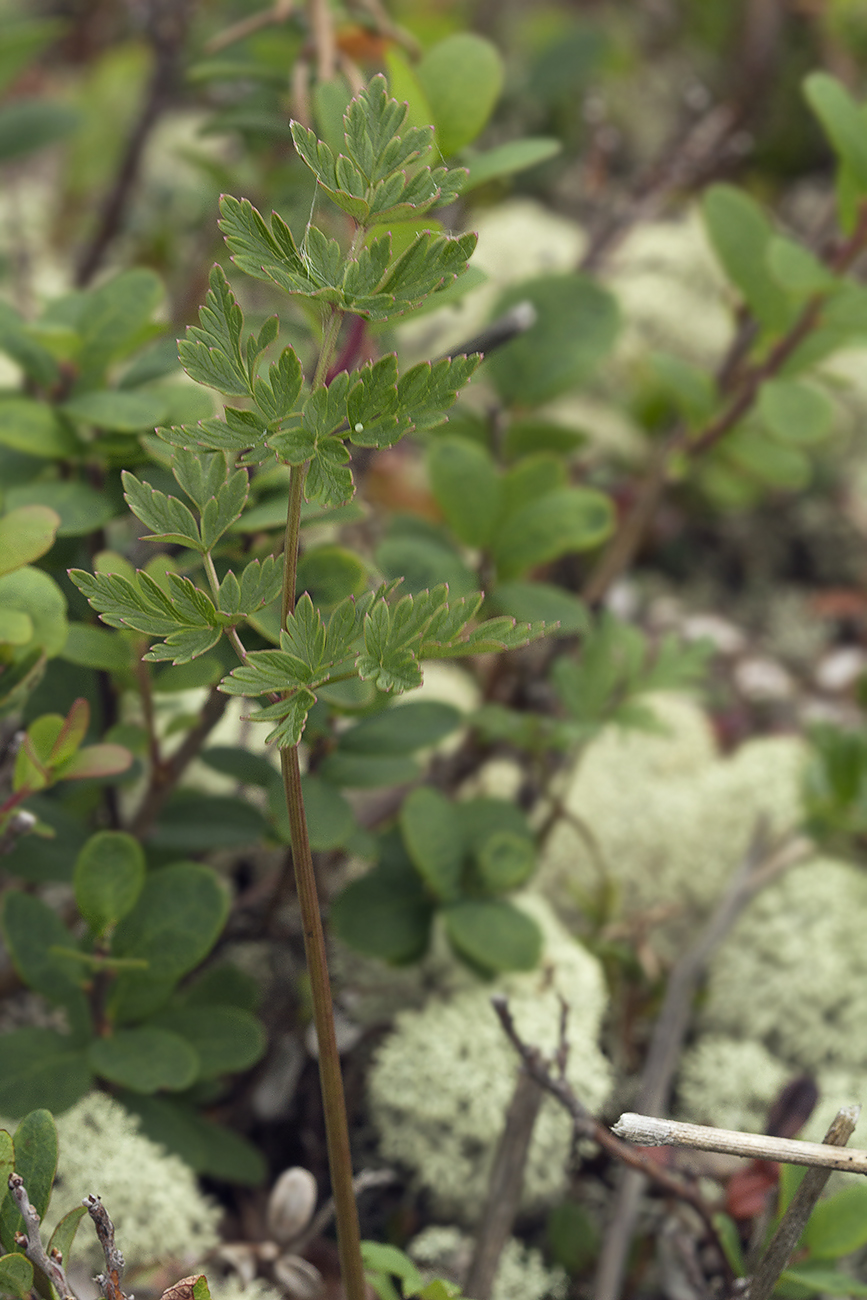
(504,1186)
(801,1206)
(32,1242)
(759,866)
(584,1125)
(517,320)
(109,1281)
(648,1131)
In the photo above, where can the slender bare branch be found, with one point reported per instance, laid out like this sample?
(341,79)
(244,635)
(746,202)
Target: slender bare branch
(760,865)
(504,1185)
(585,1125)
(32,1242)
(801,1206)
(649,1131)
(109,1281)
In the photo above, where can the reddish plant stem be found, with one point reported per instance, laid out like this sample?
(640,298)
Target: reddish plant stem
(165,777)
(747,383)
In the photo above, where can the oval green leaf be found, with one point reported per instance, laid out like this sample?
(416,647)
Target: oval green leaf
(402,729)
(467,487)
(434,840)
(541,602)
(572,519)
(741,234)
(31,427)
(330,573)
(843,121)
(39,1067)
(795,412)
(492,935)
(109,875)
(516,156)
(81,508)
(145,1059)
(35,1143)
(64,1234)
(33,593)
(385,914)
(505,862)
(225,1039)
(838,1224)
(576,326)
(461,77)
(16,1275)
(25,534)
(173,926)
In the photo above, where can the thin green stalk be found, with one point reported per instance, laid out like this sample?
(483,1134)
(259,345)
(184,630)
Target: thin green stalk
(297,475)
(330,1077)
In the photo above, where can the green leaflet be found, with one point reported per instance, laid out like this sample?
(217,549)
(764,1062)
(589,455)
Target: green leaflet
(381,641)
(211,352)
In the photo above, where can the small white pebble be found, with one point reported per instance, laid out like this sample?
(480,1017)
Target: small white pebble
(763,679)
(841,668)
(726,638)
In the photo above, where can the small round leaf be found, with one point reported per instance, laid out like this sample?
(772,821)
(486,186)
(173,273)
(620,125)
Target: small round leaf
(109,875)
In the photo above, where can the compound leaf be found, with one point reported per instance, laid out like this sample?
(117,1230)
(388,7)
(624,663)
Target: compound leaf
(211,352)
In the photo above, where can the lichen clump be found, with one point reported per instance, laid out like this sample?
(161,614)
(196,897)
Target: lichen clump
(442,1080)
(667,819)
(789,986)
(521,1275)
(152,1197)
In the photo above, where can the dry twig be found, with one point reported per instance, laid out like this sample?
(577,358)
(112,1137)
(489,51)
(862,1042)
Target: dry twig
(801,1206)
(504,1186)
(109,1281)
(759,867)
(166,29)
(650,1131)
(587,1126)
(31,1241)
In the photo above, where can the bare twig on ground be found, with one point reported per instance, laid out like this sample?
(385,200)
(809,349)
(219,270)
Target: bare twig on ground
(760,865)
(587,1126)
(650,1131)
(276,14)
(740,386)
(166,29)
(801,1206)
(322,28)
(504,1186)
(165,777)
(109,1281)
(32,1241)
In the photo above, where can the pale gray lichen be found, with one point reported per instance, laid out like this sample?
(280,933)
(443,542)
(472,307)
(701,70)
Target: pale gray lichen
(152,1197)
(788,986)
(442,1080)
(522,1273)
(793,973)
(233,1287)
(729,1084)
(667,820)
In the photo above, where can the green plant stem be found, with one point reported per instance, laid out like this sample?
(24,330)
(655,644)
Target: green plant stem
(297,475)
(330,1077)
